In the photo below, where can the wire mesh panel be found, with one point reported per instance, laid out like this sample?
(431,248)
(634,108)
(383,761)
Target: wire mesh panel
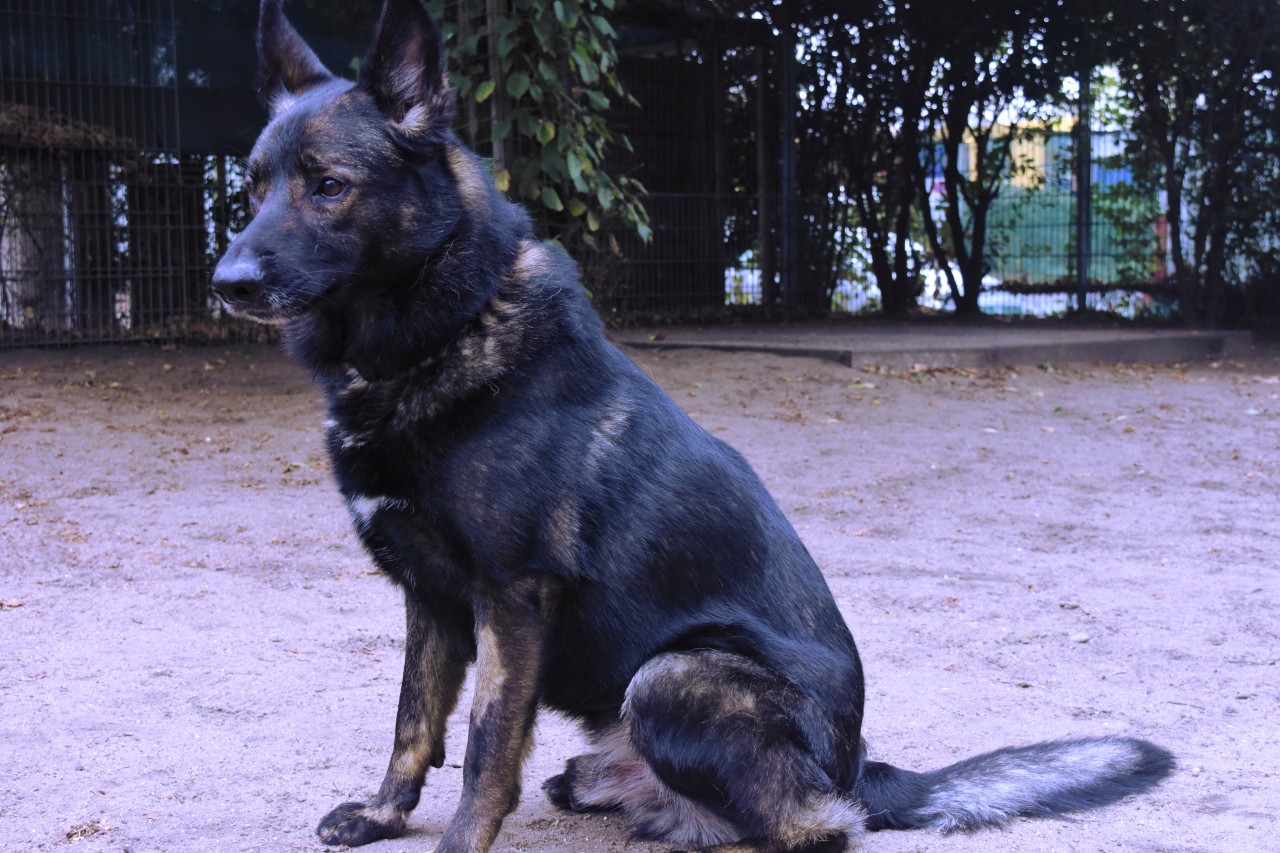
(104,227)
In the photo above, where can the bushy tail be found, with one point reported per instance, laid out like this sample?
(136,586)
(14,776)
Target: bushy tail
(1044,780)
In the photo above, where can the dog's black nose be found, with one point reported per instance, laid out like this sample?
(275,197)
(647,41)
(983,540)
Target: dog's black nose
(237,281)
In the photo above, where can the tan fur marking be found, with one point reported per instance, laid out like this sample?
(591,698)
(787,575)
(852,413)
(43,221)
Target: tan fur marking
(819,817)
(491,675)
(534,263)
(563,531)
(609,429)
(472,184)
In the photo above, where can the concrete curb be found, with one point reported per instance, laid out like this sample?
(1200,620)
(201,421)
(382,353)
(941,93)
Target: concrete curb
(1162,348)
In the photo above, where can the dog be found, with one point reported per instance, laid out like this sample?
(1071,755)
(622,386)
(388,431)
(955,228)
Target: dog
(553,517)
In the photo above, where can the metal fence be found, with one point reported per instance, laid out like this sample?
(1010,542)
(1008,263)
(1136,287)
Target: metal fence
(109,225)
(107,231)
(706,244)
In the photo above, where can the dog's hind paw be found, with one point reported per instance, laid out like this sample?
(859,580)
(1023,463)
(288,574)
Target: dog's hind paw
(559,790)
(354,824)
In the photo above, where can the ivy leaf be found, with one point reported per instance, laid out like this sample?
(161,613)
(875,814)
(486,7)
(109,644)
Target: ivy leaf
(603,25)
(567,16)
(587,68)
(558,61)
(551,199)
(518,84)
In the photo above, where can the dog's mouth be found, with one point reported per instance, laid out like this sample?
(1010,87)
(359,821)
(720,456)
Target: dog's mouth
(257,300)
(260,311)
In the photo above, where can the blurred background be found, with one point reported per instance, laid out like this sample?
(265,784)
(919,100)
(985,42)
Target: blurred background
(701,159)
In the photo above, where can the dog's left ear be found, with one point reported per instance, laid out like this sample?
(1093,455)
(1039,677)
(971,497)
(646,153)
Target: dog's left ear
(287,67)
(405,71)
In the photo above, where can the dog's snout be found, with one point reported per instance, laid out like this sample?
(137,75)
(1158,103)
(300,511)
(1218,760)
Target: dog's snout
(237,280)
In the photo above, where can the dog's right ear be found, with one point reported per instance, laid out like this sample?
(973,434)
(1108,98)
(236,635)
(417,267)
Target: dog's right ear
(287,67)
(405,72)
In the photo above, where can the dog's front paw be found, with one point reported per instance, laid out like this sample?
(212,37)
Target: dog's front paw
(354,824)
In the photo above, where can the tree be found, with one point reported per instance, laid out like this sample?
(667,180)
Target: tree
(1200,79)
(862,80)
(999,66)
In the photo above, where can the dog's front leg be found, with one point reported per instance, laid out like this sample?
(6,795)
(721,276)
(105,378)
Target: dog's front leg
(437,649)
(510,638)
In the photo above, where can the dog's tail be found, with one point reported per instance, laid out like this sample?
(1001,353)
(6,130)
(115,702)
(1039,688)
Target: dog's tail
(1045,780)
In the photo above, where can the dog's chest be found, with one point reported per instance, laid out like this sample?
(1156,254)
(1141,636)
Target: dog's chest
(420,491)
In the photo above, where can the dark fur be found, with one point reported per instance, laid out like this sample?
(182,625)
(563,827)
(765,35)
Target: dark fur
(553,516)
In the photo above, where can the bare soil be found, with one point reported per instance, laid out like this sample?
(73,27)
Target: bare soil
(195,655)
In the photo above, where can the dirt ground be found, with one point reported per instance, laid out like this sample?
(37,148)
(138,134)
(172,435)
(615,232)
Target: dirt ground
(195,656)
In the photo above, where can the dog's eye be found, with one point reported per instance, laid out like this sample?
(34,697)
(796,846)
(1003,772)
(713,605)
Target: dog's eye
(331,188)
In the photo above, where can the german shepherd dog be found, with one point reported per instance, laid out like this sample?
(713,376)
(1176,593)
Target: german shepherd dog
(553,517)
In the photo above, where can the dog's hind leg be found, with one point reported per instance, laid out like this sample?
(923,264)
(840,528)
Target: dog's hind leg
(438,646)
(715,752)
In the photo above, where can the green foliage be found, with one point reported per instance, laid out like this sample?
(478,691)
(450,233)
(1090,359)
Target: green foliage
(1200,86)
(534,83)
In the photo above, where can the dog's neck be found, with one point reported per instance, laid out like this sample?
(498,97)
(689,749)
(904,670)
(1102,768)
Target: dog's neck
(534,307)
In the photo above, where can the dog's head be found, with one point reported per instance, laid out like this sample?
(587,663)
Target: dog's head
(349,189)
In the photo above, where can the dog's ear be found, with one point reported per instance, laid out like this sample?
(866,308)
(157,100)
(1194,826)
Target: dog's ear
(287,67)
(405,71)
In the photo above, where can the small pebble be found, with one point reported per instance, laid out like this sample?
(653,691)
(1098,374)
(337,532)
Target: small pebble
(1080,638)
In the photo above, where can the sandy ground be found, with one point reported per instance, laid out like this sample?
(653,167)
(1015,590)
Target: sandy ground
(194,654)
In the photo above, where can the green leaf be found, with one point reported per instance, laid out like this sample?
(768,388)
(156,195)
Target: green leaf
(551,199)
(502,180)
(603,25)
(604,195)
(565,14)
(546,132)
(576,207)
(593,220)
(645,232)
(587,68)
(518,84)
(484,90)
